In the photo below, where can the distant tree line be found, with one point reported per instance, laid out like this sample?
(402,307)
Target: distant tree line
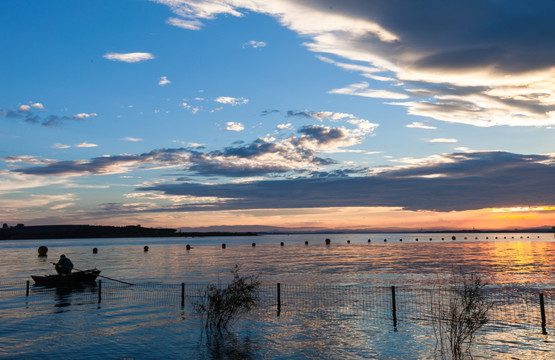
(21,232)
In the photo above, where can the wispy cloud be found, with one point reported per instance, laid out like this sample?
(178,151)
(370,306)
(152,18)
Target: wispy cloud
(11,181)
(105,165)
(129,57)
(85,144)
(420,125)
(28,159)
(184,24)
(362,89)
(254,44)
(131,139)
(231,100)
(441,140)
(54,202)
(60,146)
(164,81)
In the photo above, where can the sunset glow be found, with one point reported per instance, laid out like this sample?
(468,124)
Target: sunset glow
(285,114)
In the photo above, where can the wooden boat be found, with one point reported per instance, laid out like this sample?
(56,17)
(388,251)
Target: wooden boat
(74,279)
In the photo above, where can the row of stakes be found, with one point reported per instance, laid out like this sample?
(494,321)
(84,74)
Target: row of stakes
(43,249)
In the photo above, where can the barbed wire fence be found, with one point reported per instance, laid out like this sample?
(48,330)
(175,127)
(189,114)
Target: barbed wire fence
(392,306)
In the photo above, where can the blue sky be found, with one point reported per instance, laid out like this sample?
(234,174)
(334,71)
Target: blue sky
(307,114)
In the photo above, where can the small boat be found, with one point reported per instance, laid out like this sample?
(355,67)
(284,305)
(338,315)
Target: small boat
(74,279)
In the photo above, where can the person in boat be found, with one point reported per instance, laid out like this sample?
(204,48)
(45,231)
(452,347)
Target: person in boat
(64,265)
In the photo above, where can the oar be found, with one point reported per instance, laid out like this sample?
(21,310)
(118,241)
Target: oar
(106,277)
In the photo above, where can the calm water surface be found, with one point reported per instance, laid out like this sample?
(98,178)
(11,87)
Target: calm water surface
(127,326)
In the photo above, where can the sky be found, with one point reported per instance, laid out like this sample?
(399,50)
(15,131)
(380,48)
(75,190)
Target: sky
(312,114)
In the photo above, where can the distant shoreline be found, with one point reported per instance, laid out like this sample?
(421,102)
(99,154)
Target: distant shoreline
(50,232)
(45,232)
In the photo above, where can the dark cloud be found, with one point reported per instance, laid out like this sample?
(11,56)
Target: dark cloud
(108,164)
(12,114)
(31,117)
(339,173)
(464,58)
(302,114)
(322,134)
(53,120)
(268,112)
(250,159)
(502,50)
(514,35)
(257,158)
(464,181)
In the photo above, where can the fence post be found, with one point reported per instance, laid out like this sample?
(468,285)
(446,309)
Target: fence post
(394,307)
(99,291)
(278,299)
(182,294)
(542,310)
(27,291)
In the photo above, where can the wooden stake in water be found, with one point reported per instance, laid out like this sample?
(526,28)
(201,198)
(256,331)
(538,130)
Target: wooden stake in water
(542,310)
(278,299)
(394,307)
(99,291)
(182,294)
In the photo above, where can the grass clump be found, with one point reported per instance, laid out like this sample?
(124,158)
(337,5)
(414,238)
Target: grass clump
(459,315)
(220,305)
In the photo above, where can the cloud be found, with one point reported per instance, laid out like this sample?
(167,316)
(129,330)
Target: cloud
(194,110)
(27,159)
(287,126)
(29,201)
(60,146)
(361,89)
(268,112)
(420,125)
(164,81)
(441,140)
(254,44)
(480,63)
(129,57)
(184,24)
(106,165)
(132,139)
(49,121)
(268,156)
(231,100)
(25,113)
(234,126)
(85,144)
(82,116)
(12,181)
(459,181)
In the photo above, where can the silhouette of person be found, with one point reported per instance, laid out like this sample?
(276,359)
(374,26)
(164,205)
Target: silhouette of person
(64,265)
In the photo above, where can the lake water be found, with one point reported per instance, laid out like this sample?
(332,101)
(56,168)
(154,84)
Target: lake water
(146,321)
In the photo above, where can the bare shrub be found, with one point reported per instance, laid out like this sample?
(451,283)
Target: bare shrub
(220,305)
(458,312)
